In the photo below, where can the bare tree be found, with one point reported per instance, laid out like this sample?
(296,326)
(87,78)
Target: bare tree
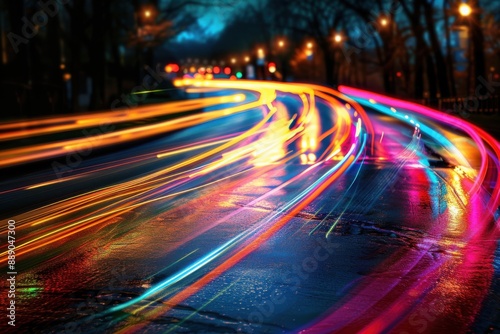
(379,20)
(435,45)
(477,36)
(413,11)
(319,19)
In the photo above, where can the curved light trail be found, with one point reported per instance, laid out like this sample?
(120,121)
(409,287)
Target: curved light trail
(325,158)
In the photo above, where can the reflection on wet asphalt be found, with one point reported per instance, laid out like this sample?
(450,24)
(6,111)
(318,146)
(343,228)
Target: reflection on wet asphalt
(292,214)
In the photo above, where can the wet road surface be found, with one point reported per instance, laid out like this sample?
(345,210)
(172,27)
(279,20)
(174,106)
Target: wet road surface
(278,208)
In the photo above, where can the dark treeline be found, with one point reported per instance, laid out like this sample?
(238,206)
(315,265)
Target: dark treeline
(419,48)
(73,55)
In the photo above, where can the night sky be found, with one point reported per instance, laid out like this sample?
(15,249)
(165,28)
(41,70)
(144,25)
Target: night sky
(213,20)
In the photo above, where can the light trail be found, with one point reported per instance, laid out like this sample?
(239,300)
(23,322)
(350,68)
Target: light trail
(312,158)
(296,205)
(424,277)
(72,123)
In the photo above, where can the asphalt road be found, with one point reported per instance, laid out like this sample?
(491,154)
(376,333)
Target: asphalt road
(278,208)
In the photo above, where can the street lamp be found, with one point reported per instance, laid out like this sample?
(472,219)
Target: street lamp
(311,59)
(260,53)
(148,14)
(337,38)
(463,26)
(233,60)
(464,10)
(281,43)
(383,22)
(261,62)
(247,59)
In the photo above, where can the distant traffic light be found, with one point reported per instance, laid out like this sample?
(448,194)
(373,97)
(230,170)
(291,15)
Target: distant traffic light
(216,70)
(172,68)
(227,70)
(239,75)
(271,67)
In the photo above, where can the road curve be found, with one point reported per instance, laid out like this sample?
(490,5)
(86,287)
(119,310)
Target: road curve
(268,207)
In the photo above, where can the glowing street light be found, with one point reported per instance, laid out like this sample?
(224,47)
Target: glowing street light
(309,45)
(384,22)
(247,59)
(272,67)
(337,38)
(147,14)
(464,10)
(281,43)
(233,60)
(260,54)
